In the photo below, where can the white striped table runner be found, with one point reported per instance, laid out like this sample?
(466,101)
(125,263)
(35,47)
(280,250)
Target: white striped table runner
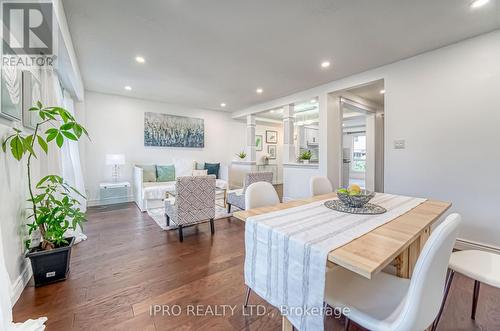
(286,252)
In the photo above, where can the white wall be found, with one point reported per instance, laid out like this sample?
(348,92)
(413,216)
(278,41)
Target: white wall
(13,195)
(260,129)
(445,104)
(116,125)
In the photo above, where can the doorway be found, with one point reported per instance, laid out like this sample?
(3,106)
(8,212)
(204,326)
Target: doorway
(362,111)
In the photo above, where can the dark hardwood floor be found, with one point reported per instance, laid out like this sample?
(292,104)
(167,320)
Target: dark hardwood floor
(128,264)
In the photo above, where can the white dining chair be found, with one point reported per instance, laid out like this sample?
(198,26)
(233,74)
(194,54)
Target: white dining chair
(259,194)
(389,303)
(319,185)
(483,267)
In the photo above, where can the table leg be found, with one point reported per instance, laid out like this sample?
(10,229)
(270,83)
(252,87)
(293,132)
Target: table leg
(405,262)
(285,324)
(225,198)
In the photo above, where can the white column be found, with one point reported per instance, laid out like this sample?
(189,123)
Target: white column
(251,153)
(288,134)
(330,131)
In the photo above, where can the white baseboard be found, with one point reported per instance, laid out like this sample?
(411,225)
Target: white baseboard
(21,282)
(110,201)
(462,244)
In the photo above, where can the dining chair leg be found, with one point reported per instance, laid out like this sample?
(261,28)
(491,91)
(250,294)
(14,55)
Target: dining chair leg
(168,220)
(247,296)
(475,297)
(212,226)
(228,208)
(181,237)
(449,280)
(347,323)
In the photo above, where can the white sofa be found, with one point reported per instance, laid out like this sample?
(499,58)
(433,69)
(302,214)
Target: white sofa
(149,195)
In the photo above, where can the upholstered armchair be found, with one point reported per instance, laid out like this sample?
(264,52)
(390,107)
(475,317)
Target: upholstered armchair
(237,197)
(194,202)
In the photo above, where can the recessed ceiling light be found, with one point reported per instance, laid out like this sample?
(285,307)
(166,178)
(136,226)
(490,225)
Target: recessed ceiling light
(325,64)
(272,111)
(259,90)
(382,92)
(314,100)
(478,3)
(140,59)
(128,88)
(223,105)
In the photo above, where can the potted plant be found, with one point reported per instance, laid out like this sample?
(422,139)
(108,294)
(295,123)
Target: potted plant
(241,155)
(305,156)
(53,206)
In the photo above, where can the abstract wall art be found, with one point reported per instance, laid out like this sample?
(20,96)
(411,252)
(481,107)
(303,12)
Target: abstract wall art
(164,130)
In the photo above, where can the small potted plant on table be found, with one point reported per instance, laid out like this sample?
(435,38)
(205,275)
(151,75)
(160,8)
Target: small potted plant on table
(241,155)
(54,205)
(305,157)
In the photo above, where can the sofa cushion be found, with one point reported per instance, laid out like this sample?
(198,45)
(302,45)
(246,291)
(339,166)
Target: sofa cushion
(155,191)
(200,172)
(199,165)
(165,173)
(213,169)
(148,172)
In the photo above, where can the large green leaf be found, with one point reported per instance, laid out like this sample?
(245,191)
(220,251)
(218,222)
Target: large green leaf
(69,135)
(59,140)
(43,144)
(51,136)
(17,147)
(27,144)
(67,126)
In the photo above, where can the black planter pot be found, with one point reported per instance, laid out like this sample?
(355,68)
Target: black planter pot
(52,265)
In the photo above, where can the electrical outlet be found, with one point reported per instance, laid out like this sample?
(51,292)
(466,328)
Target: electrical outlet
(399,144)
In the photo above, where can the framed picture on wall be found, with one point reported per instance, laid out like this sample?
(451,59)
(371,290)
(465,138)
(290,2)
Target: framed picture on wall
(271,150)
(271,137)
(258,143)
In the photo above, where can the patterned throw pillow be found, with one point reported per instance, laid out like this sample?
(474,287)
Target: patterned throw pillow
(148,173)
(213,169)
(199,166)
(165,173)
(200,172)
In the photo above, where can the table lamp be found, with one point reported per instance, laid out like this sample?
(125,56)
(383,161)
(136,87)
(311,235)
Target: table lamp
(115,160)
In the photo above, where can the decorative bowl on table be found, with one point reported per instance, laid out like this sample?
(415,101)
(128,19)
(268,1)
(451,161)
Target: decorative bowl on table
(354,196)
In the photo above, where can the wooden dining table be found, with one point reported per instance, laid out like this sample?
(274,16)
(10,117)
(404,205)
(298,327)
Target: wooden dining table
(398,241)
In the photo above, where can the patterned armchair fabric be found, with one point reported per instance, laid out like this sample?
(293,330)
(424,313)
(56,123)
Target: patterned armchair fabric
(194,201)
(238,198)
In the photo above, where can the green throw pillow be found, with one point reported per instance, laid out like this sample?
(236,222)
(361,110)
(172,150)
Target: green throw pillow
(148,173)
(165,173)
(199,166)
(213,169)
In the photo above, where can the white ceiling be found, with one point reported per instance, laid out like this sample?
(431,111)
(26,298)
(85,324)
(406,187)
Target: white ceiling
(202,53)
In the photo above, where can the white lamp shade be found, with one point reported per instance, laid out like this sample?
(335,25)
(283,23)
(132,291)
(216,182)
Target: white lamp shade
(115,159)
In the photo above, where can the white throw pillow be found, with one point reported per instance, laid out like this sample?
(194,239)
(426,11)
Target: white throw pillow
(200,172)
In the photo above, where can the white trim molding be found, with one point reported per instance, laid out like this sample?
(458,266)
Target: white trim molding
(18,286)
(301,165)
(462,244)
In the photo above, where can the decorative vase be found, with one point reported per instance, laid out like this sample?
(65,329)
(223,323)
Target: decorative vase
(305,161)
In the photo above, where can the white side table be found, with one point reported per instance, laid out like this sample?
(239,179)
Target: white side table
(110,193)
